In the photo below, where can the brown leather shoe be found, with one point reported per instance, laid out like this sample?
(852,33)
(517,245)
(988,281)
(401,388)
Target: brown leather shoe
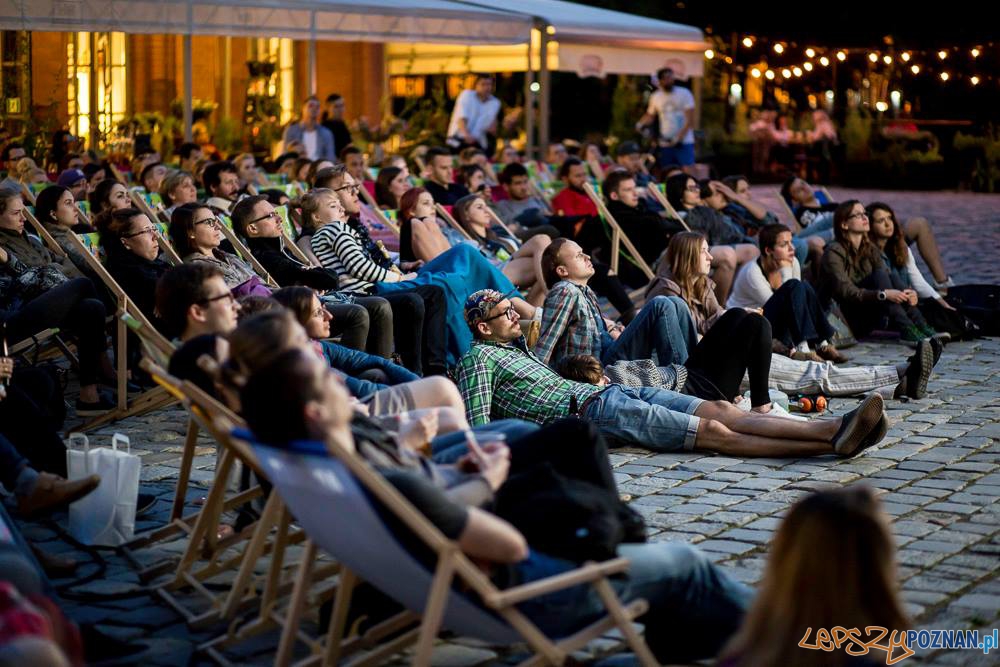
(799,355)
(830,353)
(52,491)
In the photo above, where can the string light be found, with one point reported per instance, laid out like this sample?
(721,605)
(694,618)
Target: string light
(887,60)
(811,53)
(755,73)
(769,75)
(974,80)
(779,48)
(942,54)
(748,42)
(915,69)
(786,73)
(873,57)
(975,54)
(881,106)
(729,61)
(808,67)
(797,71)
(709,53)
(905,56)
(824,61)
(841,56)
(945,76)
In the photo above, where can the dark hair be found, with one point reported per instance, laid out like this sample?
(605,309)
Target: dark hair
(383,195)
(182,227)
(550,261)
(297,299)
(47,202)
(662,71)
(470,152)
(706,188)
(242,211)
(580,368)
(408,201)
(767,237)
(179,288)
(275,396)
(786,189)
(349,149)
(482,75)
(840,216)
(613,181)
(325,177)
(466,172)
(6,194)
(511,171)
(436,151)
(92,168)
(146,170)
(567,164)
(333,97)
(298,165)
(676,185)
(100,198)
(186,149)
(113,225)
(9,147)
(255,304)
(461,209)
(895,247)
(274,195)
(732,181)
(212,176)
(254,343)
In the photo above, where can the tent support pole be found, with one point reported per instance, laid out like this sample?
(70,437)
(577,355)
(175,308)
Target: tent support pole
(227,76)
(529,106)
(311,56)
(544,80)
(95,119)
(188,88)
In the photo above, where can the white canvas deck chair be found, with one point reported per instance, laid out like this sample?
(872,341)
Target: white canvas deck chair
(618,237)
(328,497)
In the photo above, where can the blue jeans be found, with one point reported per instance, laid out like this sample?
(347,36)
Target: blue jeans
(450,447)
(822,226)
(663,327)
(682,154)
(694,606)
(657,419)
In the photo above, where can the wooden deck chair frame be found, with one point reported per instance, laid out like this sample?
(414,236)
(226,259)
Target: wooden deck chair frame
(382,217)
(245,253)
(291,245)
(667,206)
(452,222)
(453,565)
(82,215)
(148,400)
(154,214)
(618,236)
(28,195)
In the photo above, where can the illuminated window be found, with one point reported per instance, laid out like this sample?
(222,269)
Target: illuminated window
(106,72)
(281,84)
(15,74)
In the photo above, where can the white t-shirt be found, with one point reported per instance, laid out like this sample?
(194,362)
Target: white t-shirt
(478,115)
(309,141)
(751,289)
(670,108)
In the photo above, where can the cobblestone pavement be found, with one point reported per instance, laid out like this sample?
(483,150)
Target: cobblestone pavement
(937,472)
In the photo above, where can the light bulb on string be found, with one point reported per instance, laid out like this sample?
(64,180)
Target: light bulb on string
(755,73)
(787,73)
(769,75)
(709,54)
(915,69)
(942,54)
(748,42)
(945,76)
(810,53)
(779,48)
(873,57)
(841,56)
(974,80)
(974,53)
(797,71)
(824,61)
(807,67)
(887,60)
(905,56)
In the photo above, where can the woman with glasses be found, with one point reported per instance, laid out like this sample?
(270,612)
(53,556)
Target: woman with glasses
(196,236)
(726,242)
(129,239)
(853,273)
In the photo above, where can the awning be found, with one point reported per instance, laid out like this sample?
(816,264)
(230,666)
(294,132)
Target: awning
(341,20)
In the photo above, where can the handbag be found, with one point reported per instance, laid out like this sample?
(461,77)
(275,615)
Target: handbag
(106,516)
(37,280)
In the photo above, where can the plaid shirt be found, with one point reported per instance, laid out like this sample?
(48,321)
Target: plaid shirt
(572,323)
(498,381)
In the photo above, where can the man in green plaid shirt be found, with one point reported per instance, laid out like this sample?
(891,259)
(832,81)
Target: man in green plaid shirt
(500,378)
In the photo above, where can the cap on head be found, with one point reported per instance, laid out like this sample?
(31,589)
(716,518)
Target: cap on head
(70,177)
(479,304)
(627,148)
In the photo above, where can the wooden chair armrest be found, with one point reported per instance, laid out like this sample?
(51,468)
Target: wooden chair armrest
(587,573)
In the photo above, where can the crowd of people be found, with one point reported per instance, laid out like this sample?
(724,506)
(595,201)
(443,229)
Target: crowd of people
(485,315)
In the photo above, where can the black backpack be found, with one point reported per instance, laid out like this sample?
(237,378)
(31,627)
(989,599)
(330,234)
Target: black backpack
(980,303)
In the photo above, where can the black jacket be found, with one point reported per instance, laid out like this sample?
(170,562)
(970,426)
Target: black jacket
(648,230)
(287,270)
(138,277)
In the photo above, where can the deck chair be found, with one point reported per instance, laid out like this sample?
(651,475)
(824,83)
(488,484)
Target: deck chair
(83,211)
(350,529)
(88,245)
(288,233)
(618,236)
(150,203)
(445,213)
(378,212)
(243,251)
(657,190)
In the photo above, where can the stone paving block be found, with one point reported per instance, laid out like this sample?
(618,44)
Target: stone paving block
(972,499)
(678,474)
(707,484)
(747,535)
(759,507)
(765,523)
(953,508)
(636,469)
(935,584)
(691,508)
(922,466)
(906,498)
(936,545)
(718,499)
(897,509)
(988,604)
(726,546)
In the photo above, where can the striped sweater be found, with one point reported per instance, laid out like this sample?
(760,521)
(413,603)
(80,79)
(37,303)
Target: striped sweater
(339,248)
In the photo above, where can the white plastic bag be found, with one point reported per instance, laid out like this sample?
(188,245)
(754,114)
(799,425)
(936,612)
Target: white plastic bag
(106,516)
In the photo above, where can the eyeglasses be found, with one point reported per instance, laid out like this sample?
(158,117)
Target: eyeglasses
(211,222)
(147,230)
(352,188)
(273,215)
(693,188)
(225,295)
(509,312)
(858,216)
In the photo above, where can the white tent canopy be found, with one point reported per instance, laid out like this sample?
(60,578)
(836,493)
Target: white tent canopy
(344,20)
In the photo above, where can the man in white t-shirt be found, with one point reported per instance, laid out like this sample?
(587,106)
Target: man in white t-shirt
(474,116)
(317,140)
(674,106)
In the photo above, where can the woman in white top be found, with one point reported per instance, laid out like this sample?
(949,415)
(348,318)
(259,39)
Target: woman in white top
(773,284)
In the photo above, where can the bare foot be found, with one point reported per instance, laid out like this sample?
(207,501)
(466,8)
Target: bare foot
(762,409)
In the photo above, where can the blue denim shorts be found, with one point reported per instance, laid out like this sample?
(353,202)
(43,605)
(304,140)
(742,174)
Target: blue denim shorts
(682,154)
(657,419)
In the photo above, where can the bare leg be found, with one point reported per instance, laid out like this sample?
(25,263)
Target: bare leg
(920,230)
(723,270)
(436,392)
(449,419)
(767,425)
(522,272)
(714,436)
(745,252)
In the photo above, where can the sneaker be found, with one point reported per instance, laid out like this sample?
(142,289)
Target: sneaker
(830,353)
(52,491)
(857,425)
(919,370)
(928,330)
(937,345)
(99,407)
(911,334)
(875,436)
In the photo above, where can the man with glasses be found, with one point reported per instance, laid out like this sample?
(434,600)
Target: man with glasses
(500,378)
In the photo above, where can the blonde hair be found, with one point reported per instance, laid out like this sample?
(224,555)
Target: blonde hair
(832,564)
(683,260)
(309,204)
